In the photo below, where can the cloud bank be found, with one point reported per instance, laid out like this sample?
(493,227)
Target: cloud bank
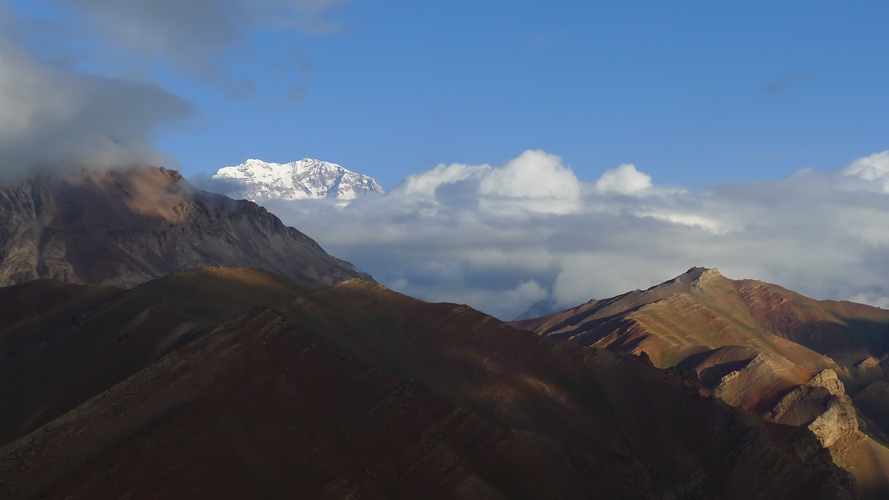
(501,238)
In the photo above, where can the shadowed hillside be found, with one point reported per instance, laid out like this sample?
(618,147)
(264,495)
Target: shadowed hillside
(358,391)
(90,338)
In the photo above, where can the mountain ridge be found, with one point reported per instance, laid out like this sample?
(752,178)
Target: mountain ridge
(125,227)
(759,347)
(308,178)
(700,386)
(356,390)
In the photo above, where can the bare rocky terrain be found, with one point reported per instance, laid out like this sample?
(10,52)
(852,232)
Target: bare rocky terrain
(125,227)
(354,391)
(759,347)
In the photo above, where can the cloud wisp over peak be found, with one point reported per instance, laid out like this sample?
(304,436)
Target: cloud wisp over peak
(54,117)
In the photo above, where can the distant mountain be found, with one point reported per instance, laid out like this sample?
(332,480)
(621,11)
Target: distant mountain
(258,180)
(235,383)
(702,309)
(125,227)
(538,309)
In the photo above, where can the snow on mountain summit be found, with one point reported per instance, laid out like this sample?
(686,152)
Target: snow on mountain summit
(299,180)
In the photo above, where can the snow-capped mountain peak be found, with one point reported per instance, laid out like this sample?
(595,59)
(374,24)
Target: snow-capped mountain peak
(299,180)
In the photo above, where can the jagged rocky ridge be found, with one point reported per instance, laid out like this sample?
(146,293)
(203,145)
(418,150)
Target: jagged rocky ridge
(124,227)
(258,180)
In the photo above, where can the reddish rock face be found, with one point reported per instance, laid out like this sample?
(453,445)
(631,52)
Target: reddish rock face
(702,310)
(126,227)
(760,348)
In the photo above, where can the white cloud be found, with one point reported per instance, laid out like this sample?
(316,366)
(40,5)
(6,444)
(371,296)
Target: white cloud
(526,293)
(823,234)
(54,117)
(624,179)
(426,183)
(872,168)
(535,181)
(869,168)
(686,219)
(873,299)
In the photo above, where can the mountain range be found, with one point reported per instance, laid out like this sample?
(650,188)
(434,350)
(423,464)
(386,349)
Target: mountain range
(257,180)
(355,390)
(139,357)
(758,347)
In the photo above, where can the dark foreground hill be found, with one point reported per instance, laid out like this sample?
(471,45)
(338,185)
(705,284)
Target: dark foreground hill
(125,227)
(241,384)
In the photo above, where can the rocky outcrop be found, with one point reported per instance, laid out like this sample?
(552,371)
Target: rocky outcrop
(125,227)
(868,370)
(754,384)
(838,422)
(826,417)
(821,404)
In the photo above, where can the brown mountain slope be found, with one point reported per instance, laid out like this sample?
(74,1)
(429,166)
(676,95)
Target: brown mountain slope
(125,227)
(703,309)
(62,343)
(356,391)
(761,348)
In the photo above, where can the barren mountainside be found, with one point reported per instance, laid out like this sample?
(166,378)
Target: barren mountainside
(356,391)
(125,227)
(137,360)
(762,348)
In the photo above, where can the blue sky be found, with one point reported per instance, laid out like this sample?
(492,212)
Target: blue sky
(695,95)
(532,151)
